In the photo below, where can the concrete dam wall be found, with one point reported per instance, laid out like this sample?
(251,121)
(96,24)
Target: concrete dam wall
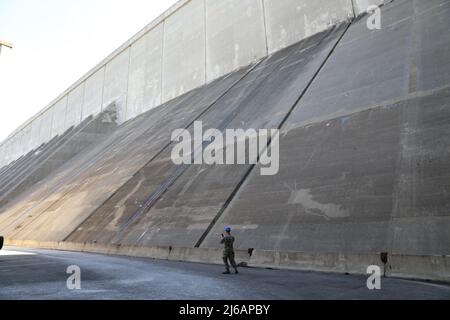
(364,169)
(173,55)
(193,43)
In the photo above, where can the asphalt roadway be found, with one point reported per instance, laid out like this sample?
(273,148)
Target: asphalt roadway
(42,275)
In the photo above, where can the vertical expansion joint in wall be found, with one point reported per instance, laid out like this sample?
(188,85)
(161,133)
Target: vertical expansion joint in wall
(413,56)
(206,40)
(354,9)
(266,36)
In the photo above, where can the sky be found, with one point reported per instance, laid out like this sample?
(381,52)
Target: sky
(55,43)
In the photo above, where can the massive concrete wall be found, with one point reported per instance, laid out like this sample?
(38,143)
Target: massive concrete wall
(194,42)
(363,155)
(363,159)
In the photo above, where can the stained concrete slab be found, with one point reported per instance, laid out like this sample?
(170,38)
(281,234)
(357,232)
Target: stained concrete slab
(45,133)
(432,45)
(16,145)
(63,149)
(93,94)
(7,150)
(59,117)
(227,47)
(8,166)
(75,101)
(2,158)
(389,63)
(145,87)
(26,139)
(24,166)
(35,131)
(115,86)
(290,21)
(184,50)
(368,67)
(55,183)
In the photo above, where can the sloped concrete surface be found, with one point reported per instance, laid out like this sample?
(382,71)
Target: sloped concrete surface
(370,182)
(71,196)
(42,162)
(362,154)
(181,216)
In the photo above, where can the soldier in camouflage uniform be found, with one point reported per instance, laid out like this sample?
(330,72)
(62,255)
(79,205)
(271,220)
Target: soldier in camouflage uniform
(228,252)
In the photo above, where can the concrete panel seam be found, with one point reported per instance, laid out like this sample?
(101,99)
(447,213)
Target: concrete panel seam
(206,41)
(264,16)
(354,9)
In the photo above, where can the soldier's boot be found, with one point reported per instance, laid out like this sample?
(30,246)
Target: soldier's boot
(234,265)
(227,265)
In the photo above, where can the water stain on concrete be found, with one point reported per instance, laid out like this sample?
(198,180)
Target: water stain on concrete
(304,198)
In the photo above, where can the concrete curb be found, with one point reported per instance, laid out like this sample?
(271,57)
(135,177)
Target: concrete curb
(435,268)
